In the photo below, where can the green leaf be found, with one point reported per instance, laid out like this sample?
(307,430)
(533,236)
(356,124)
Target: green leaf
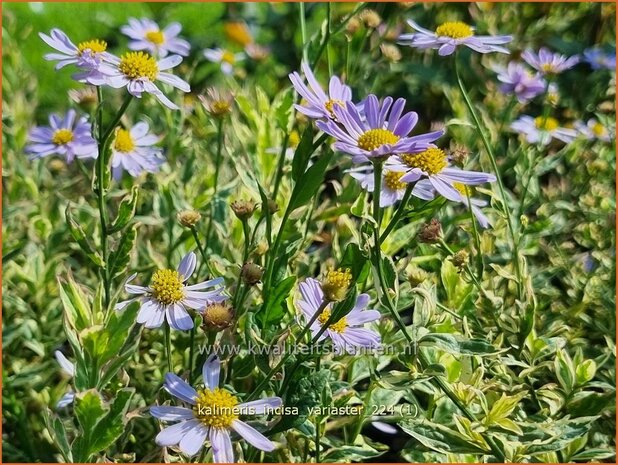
(80,237)
(453,345)
(120,257)
(357,261)
(353,454)
(302,154)
(441,439)
(272,310)
(565,371)
(126,210)
(89,410)
(58,433)
(113,424)
(308,184)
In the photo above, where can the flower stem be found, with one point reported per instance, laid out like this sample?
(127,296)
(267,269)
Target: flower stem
(216,180)
(191,352)
(168,348)
(494,164)
(303,31)
(398,214)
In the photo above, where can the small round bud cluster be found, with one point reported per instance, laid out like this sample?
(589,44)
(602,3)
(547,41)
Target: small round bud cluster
(272,206)
(353,25)
(391,53)
(243,209)
(336,284)
(218,316)
(417,276)
(523,219)
(460,259)
(458,154)
(370,18)
(188,218)
(430,232)
(251,274)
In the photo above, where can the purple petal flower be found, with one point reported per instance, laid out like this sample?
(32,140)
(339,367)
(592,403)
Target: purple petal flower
(517,80)
(145,34)
(542,130)
(133,151)
(547,62)
(599,59)
(68,136)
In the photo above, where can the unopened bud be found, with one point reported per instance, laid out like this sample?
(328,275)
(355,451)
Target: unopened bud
(353,25)
(430,232)
(460,259)
(417,276)
(370,18)
(188,218)
(243,209)
(86,98)
(458,154)
(390,52)
(57,165)
(272,206)
(523,219)
(336,284)
(251,273)
(218,316)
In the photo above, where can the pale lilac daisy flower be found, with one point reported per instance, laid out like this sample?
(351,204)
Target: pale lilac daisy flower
(379,131)
(87,55)
(68,136)
(517,80)
(212,415)
(434,165)
(319,104)
(138,72)
(168,296)
(599,59)
(392,189)
(593,129)
(146,35)
(225,58)
(547,62)
(542,130)
(424,190)
(448,36)
(347,334)
(68,368)
(133,150)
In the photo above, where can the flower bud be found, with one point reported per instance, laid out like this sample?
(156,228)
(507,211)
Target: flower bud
(523,219)
(370,18)
(460,259)
(251,273)
(56,165)
(430,232)
(391,53)
(188,218)
(218,316)
(243,209)
(458,154)
(336,284)
(217,103)
(86,98)
(353,25)
(272,206)
(417,276)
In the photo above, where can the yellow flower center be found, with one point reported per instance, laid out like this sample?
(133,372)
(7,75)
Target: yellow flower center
(228,57)
(598,129)
(156,37)
(431,161)
(454,30)
(375,138)
(62,136)
(217,409)
(331,103)
(220,107)
(95,46)
(123,142)
(463,189)
(546,124)
(167,286)
(135,65)
(338,327)
(392,180)
(238,32)
(336,283)
(547,67)
(294,139)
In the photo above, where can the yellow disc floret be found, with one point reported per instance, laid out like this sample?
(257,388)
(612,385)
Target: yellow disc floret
(375,138)
(431,161)
(546,124)
(156,37)
(123,142)
(336,283)
(293,138)
(217,409)
(331,103)
(463,189)
(135,65)
(598,129)
(95,46)
(454,30)
(167,286)
(228,57)
(338,327)
(392,180)
(62,136)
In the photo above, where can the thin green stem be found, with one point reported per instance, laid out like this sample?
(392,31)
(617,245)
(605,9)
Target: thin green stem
(200,247)
(398,213)
(303,30)
(494,164)
(280,164)
(191,352)
(168,348)
(216,179)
